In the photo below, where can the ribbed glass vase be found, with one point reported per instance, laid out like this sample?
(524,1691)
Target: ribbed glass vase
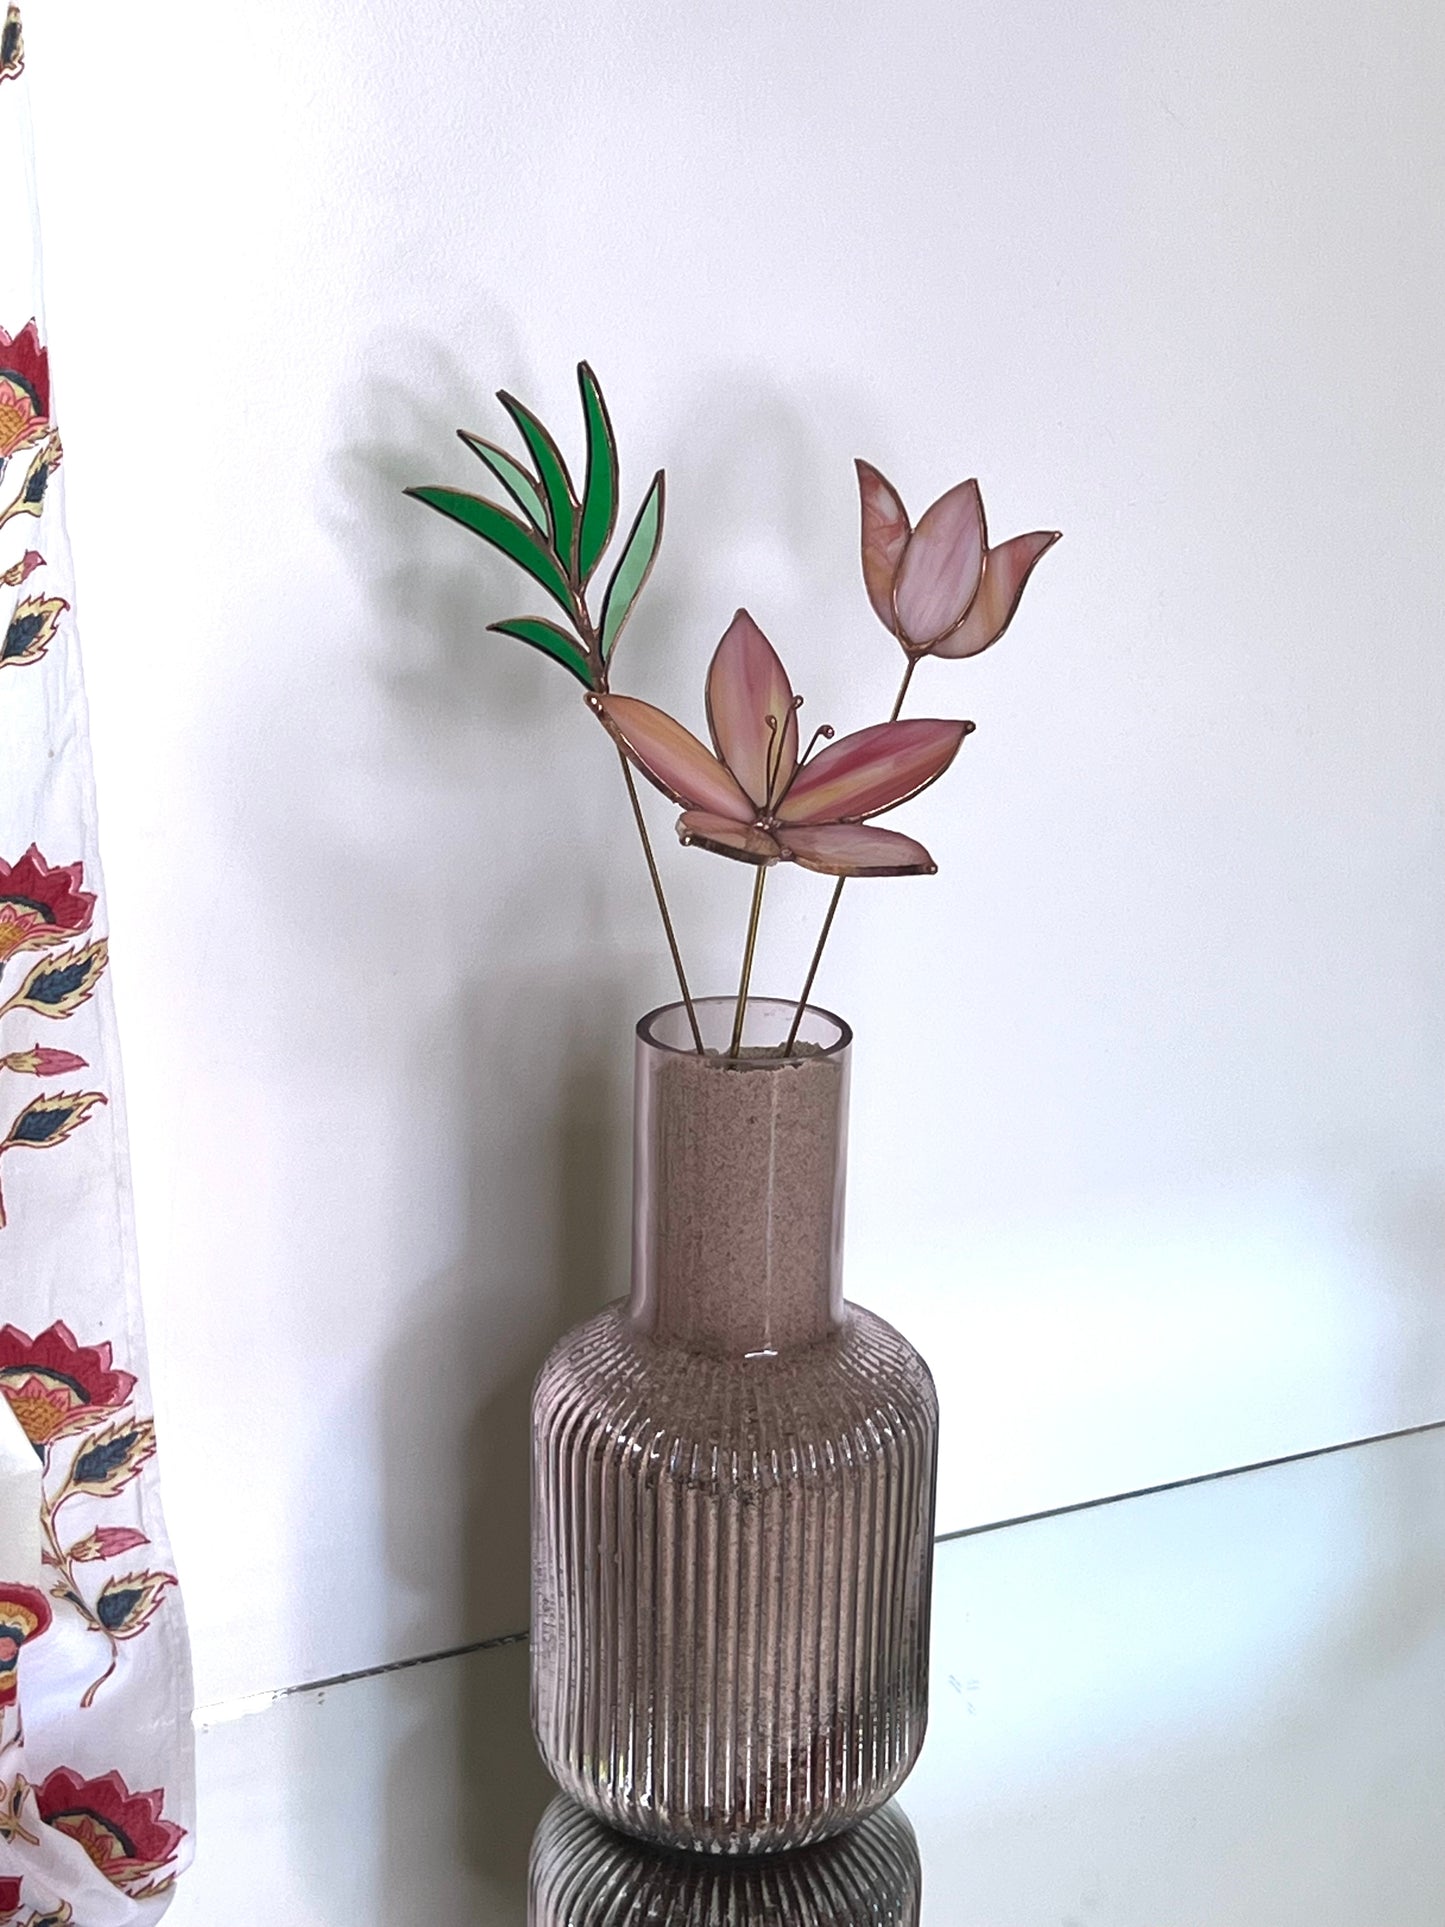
(585,1875)
(733,1474)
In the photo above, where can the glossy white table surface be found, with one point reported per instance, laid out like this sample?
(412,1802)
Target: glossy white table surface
(1217,1706)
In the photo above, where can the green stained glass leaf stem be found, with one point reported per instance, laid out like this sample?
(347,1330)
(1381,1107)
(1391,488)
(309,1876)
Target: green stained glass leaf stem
(521,486)
(556,483)
(504,532)
(634,565)
(552,641)
(599,496)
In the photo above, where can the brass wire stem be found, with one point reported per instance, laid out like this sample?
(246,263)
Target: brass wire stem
(748,948)
(652,871)
(903,689)
(591,643)
(837,896)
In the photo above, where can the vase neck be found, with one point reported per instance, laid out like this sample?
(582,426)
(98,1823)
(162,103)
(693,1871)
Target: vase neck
(738,1170)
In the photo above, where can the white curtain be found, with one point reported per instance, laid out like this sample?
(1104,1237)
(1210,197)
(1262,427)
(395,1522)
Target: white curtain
(96,1794)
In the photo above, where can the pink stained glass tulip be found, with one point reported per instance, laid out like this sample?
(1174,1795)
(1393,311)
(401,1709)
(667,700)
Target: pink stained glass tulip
(939,588)
(754,800)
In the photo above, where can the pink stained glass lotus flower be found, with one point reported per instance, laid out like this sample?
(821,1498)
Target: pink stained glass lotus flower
(939,588)
(755,800)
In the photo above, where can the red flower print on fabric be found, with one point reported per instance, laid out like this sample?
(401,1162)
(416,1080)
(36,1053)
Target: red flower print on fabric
(107,1542)
(55,1386)
(24,1615)
(125,1834)
(24,389)
(41,1061)
(22,570)
(40,903)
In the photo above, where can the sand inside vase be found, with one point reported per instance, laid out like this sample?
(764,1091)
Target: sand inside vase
(741,1212)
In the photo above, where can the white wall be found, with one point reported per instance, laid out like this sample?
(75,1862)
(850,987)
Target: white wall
(1148,1112)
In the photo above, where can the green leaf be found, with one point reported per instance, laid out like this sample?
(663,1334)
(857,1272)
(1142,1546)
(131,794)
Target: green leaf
(635,565)
(504,532)
(556,483)
(512,476)
(599,498)
(551,640)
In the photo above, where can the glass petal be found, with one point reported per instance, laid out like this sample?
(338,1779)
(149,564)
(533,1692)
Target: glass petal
(672,758)
(746,685)
(1005,571)
(885,536)
(857,850)
(872,770)
(938,576)
(726,838)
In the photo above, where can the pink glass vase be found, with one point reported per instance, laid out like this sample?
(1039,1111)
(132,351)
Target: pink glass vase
(733,1474)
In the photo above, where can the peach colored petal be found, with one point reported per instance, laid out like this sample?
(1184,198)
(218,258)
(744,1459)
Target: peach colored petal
(857,850)
(726,838)
(872,770)
(746,685)
(939,574)
(1005,571)
(672,757)
(886,531)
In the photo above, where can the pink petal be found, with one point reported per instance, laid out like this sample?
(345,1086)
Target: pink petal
(1005,571)
(938,576)
(885,536)
(872,770)
(857,850)
(672,757)
(726,838)
(745,686)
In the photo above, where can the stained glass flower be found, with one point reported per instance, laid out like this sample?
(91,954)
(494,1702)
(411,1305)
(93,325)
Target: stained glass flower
(56,1386)
(40,903)
(24,389)
(24,1615)
(939,588)
(124,1833)
(756,799)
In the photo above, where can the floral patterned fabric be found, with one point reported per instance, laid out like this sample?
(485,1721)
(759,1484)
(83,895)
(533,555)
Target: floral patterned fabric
(95,1750)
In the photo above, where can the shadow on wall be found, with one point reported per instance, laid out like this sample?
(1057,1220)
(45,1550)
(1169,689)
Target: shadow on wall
(502,1094)
(562,1165)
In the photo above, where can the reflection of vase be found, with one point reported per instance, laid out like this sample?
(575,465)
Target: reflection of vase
(733,1475)
(584,1875)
